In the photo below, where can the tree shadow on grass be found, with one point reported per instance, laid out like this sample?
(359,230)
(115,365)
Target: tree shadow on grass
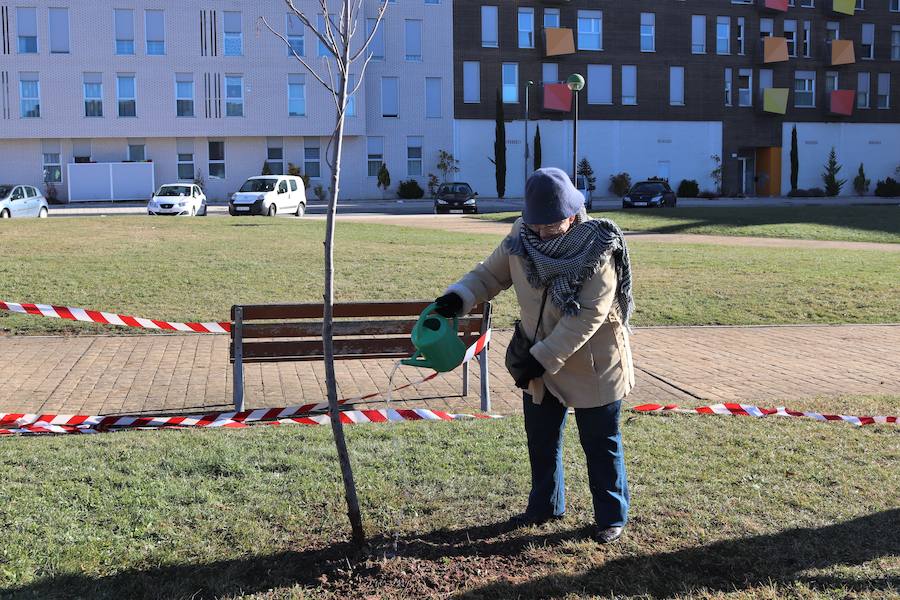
(775,559)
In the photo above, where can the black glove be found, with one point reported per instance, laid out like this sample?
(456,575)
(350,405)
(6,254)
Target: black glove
(449,305)
(531,369)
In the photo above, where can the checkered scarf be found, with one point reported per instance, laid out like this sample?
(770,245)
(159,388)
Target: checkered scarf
(565,263)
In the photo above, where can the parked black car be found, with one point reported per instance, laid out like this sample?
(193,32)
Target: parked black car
(455,196)
(650,193)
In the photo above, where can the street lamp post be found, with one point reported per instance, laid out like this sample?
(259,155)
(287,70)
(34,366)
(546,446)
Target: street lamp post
(527,87)
(575,82)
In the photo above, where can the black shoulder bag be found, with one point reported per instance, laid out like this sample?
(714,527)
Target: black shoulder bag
(518,350)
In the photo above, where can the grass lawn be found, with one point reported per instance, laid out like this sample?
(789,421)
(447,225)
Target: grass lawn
(196,269)
(842,223)
(721,507)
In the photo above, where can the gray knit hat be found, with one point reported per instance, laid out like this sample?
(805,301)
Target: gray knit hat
(550,197)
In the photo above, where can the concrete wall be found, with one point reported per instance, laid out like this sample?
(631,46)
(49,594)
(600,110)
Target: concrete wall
(640,148)
(876,146)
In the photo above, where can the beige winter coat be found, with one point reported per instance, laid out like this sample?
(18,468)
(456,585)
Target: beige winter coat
(587,356)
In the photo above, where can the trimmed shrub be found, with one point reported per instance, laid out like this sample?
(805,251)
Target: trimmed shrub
(707,194)
(798,193)
(688,188)
(410,190)
(889,188)
(816,192)
(619,184)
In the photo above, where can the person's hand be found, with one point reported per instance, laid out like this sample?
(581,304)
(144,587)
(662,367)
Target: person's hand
(532,369)
(449,305)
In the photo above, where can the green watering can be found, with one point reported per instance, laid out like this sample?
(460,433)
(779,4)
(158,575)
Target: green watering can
(437,343)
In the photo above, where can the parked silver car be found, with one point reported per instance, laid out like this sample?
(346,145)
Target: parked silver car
(22,201)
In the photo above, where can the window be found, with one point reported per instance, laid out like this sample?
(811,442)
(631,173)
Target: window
(311,166)
(741,31)
(860,4)
(413,30)
(26,24)
(590,30)
(745,87)
(296,95)
(217,160)
(868,41)
(124,30)
(414,156)
(234,96)
(676,86)
(377,45)
(93,95)
(186,166)
(471,82)
(765,82)
(648,32)
(790,34)
(275,155)
(808,3)
(136,152)
(29,95)
(723,35)
(550,74)
(884,91)
(807,38)
(599,84)
(805,89)
(432,97)
(390,97)
(155,30)
(125,94)
(766,28)
(184,94)
(489,27)
(629,84)
(895,5)
(895,42)
(727,86)
(526,28)
(832,31)
(59,31)
(510,75)
(294,31)
(374,154)
(321,49)
(551,18)
(862,90)
(698,34)
(52,168)
(234,37)
(831,82)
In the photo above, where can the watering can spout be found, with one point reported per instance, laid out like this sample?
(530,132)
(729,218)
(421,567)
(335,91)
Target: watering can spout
(437,342)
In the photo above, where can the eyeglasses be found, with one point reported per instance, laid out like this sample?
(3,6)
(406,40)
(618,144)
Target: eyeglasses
(551,229)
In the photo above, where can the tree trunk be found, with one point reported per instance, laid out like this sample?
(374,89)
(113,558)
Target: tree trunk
(337,427)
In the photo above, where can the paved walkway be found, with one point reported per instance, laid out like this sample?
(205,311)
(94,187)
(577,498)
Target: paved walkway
(684,365)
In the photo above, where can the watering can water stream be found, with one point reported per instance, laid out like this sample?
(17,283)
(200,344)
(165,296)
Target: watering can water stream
(437,342)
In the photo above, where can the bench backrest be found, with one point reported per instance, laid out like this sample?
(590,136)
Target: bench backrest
(293,332)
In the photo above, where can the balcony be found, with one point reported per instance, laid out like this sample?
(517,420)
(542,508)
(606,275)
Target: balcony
(558,41)
(841,102)
(775,49)
(843,7)
(775,100)
(558,97)
(774,5)
(840,52)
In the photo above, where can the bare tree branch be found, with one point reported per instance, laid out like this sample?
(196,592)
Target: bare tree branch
(297,56)
(371,35)
(305,20)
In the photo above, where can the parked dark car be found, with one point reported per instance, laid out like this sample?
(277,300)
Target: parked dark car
(650,193)
(455,196)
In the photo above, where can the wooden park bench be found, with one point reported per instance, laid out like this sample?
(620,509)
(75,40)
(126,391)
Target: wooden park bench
(362,330)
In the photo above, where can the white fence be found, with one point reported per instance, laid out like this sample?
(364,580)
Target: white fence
(97,182)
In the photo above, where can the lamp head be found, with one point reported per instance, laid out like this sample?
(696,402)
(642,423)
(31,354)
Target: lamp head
(575,82)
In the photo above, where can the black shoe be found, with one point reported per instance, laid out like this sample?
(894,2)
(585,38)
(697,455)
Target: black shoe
(607,535)
(526,520)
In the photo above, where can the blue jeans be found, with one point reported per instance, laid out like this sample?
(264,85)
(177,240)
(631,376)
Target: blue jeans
(598,430)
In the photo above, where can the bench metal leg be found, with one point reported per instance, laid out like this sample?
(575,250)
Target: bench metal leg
(483,362)
(238,368)
(465,377)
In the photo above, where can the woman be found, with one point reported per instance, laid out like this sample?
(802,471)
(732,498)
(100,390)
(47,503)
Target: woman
(572,279)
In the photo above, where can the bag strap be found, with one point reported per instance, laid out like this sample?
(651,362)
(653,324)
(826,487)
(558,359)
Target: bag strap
(541,316)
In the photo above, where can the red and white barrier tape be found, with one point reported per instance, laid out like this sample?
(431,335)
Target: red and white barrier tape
(105,318)
(747,410)
(348,417)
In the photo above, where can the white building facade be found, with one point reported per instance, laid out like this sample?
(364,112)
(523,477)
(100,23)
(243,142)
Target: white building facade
(201,88)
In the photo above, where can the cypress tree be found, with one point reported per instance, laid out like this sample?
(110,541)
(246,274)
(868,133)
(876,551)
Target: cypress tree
(537,148)
(500,148)
(795,161)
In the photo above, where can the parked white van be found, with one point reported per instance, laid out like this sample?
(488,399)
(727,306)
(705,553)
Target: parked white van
(269,195)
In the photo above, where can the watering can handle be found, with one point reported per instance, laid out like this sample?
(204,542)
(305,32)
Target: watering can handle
(431,308)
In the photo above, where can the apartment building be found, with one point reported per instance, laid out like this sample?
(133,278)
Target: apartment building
(669,83)
(106,98)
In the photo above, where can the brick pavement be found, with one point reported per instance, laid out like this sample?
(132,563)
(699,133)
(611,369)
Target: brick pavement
(685,365)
